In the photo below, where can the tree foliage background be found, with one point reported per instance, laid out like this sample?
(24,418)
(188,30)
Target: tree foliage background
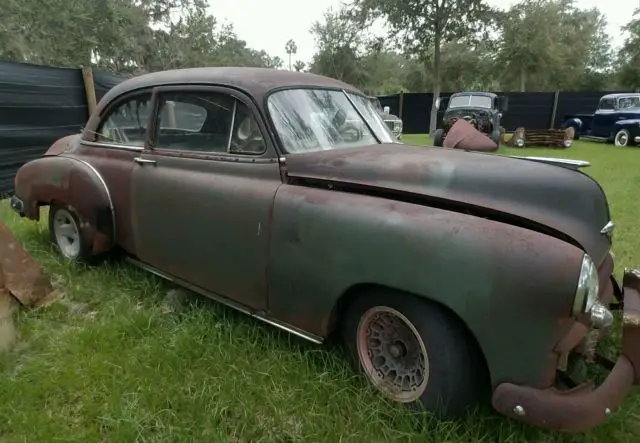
(432,45)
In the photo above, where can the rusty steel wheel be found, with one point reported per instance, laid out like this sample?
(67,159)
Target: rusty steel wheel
(393,354)
(65,233)
(415,352)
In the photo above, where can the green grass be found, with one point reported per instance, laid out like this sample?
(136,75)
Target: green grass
(109,362)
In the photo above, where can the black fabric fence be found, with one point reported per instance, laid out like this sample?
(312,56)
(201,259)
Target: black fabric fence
(532,110)
(38,105)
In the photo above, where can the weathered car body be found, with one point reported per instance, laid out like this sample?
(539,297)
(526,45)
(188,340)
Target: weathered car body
(482,109)
(393,121)
(480,270)
(616,120)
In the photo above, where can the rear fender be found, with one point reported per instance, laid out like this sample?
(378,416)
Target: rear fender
(513,288)
(73,182)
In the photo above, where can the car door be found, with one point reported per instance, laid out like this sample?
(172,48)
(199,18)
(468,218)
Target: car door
(110,145)
(203,192)
(603,118)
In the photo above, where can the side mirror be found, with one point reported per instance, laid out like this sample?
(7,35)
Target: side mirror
(386,109)
(502,103)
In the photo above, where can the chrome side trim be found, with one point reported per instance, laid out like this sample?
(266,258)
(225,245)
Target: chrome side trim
(230,303)
(106,188)
(564,162)
(608,229)
(112,146)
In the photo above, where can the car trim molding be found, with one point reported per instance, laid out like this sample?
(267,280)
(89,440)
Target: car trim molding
(608,229)
(106,188)
(260,315)
(564,162)
(111,146)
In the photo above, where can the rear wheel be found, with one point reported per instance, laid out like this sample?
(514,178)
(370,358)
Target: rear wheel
(65,233)
(414,352)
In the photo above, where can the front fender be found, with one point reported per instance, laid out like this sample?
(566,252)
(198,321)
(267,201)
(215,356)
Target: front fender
(73,182)
(511,287)
(626,123)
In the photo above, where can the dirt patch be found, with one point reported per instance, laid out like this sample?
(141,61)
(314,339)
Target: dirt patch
(8,306)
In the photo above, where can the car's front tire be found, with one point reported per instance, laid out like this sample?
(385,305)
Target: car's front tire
(415,353)
(622,138)
(438,139)
(66,234)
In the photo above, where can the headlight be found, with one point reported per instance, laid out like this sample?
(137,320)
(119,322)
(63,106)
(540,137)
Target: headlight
(588,284)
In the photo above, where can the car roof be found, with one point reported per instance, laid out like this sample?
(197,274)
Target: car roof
(620,94)
(254,81)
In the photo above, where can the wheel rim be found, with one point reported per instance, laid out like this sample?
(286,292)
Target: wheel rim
(622,138)
(392,354)
(67,233)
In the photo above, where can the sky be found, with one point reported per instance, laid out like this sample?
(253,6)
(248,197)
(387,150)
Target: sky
(270,24)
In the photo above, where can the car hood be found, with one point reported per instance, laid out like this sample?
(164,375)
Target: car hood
(540,196)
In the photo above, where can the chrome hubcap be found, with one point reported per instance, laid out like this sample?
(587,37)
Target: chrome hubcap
(622,138)
(66,233)
(392,354)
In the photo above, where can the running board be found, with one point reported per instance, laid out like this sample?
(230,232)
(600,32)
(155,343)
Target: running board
(260,315)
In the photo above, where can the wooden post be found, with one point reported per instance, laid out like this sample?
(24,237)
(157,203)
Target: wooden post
(89,88)
(554,110)
(400,105)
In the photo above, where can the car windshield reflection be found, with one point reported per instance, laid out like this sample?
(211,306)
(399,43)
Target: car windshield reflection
(309,120)
(475,101)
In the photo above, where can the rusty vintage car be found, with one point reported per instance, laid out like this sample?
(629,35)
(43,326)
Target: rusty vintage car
(448,274)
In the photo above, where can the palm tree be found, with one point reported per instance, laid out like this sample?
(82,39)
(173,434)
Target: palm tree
(291,49)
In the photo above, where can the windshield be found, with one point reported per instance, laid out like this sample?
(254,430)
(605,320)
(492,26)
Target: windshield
(628,102)
(309,120)
(376,104)
(475,101)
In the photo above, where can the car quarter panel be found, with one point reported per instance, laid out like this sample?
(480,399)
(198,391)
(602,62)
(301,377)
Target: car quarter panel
(74,182)
(512,287)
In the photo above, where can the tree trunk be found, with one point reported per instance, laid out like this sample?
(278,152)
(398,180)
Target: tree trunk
(523,79)
(433,121)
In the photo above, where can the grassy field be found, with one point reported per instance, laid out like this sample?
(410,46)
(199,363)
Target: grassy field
(120,360)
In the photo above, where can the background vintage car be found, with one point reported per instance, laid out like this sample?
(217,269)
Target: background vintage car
(447,274)
(482,109)
(616,120)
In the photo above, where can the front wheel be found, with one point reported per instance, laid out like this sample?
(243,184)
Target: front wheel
(622,138)
(415,353)
(438,138)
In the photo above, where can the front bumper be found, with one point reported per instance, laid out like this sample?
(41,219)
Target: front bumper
(585,406)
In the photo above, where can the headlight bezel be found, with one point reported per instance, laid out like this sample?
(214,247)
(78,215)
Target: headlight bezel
(586,296)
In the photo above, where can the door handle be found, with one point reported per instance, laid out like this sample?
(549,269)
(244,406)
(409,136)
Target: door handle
(144,161)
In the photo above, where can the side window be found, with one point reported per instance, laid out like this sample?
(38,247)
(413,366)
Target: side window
(207,123)
(126,124)
(606,104)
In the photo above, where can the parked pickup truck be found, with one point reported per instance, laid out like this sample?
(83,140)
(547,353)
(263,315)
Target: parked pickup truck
(616,120)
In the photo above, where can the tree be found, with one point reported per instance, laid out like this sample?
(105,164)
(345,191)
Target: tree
(291,48)
(551,44)
(629,54)
(340,48)
(299,65)
(423,26)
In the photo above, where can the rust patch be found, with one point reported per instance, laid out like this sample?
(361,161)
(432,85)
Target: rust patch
(576,410)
